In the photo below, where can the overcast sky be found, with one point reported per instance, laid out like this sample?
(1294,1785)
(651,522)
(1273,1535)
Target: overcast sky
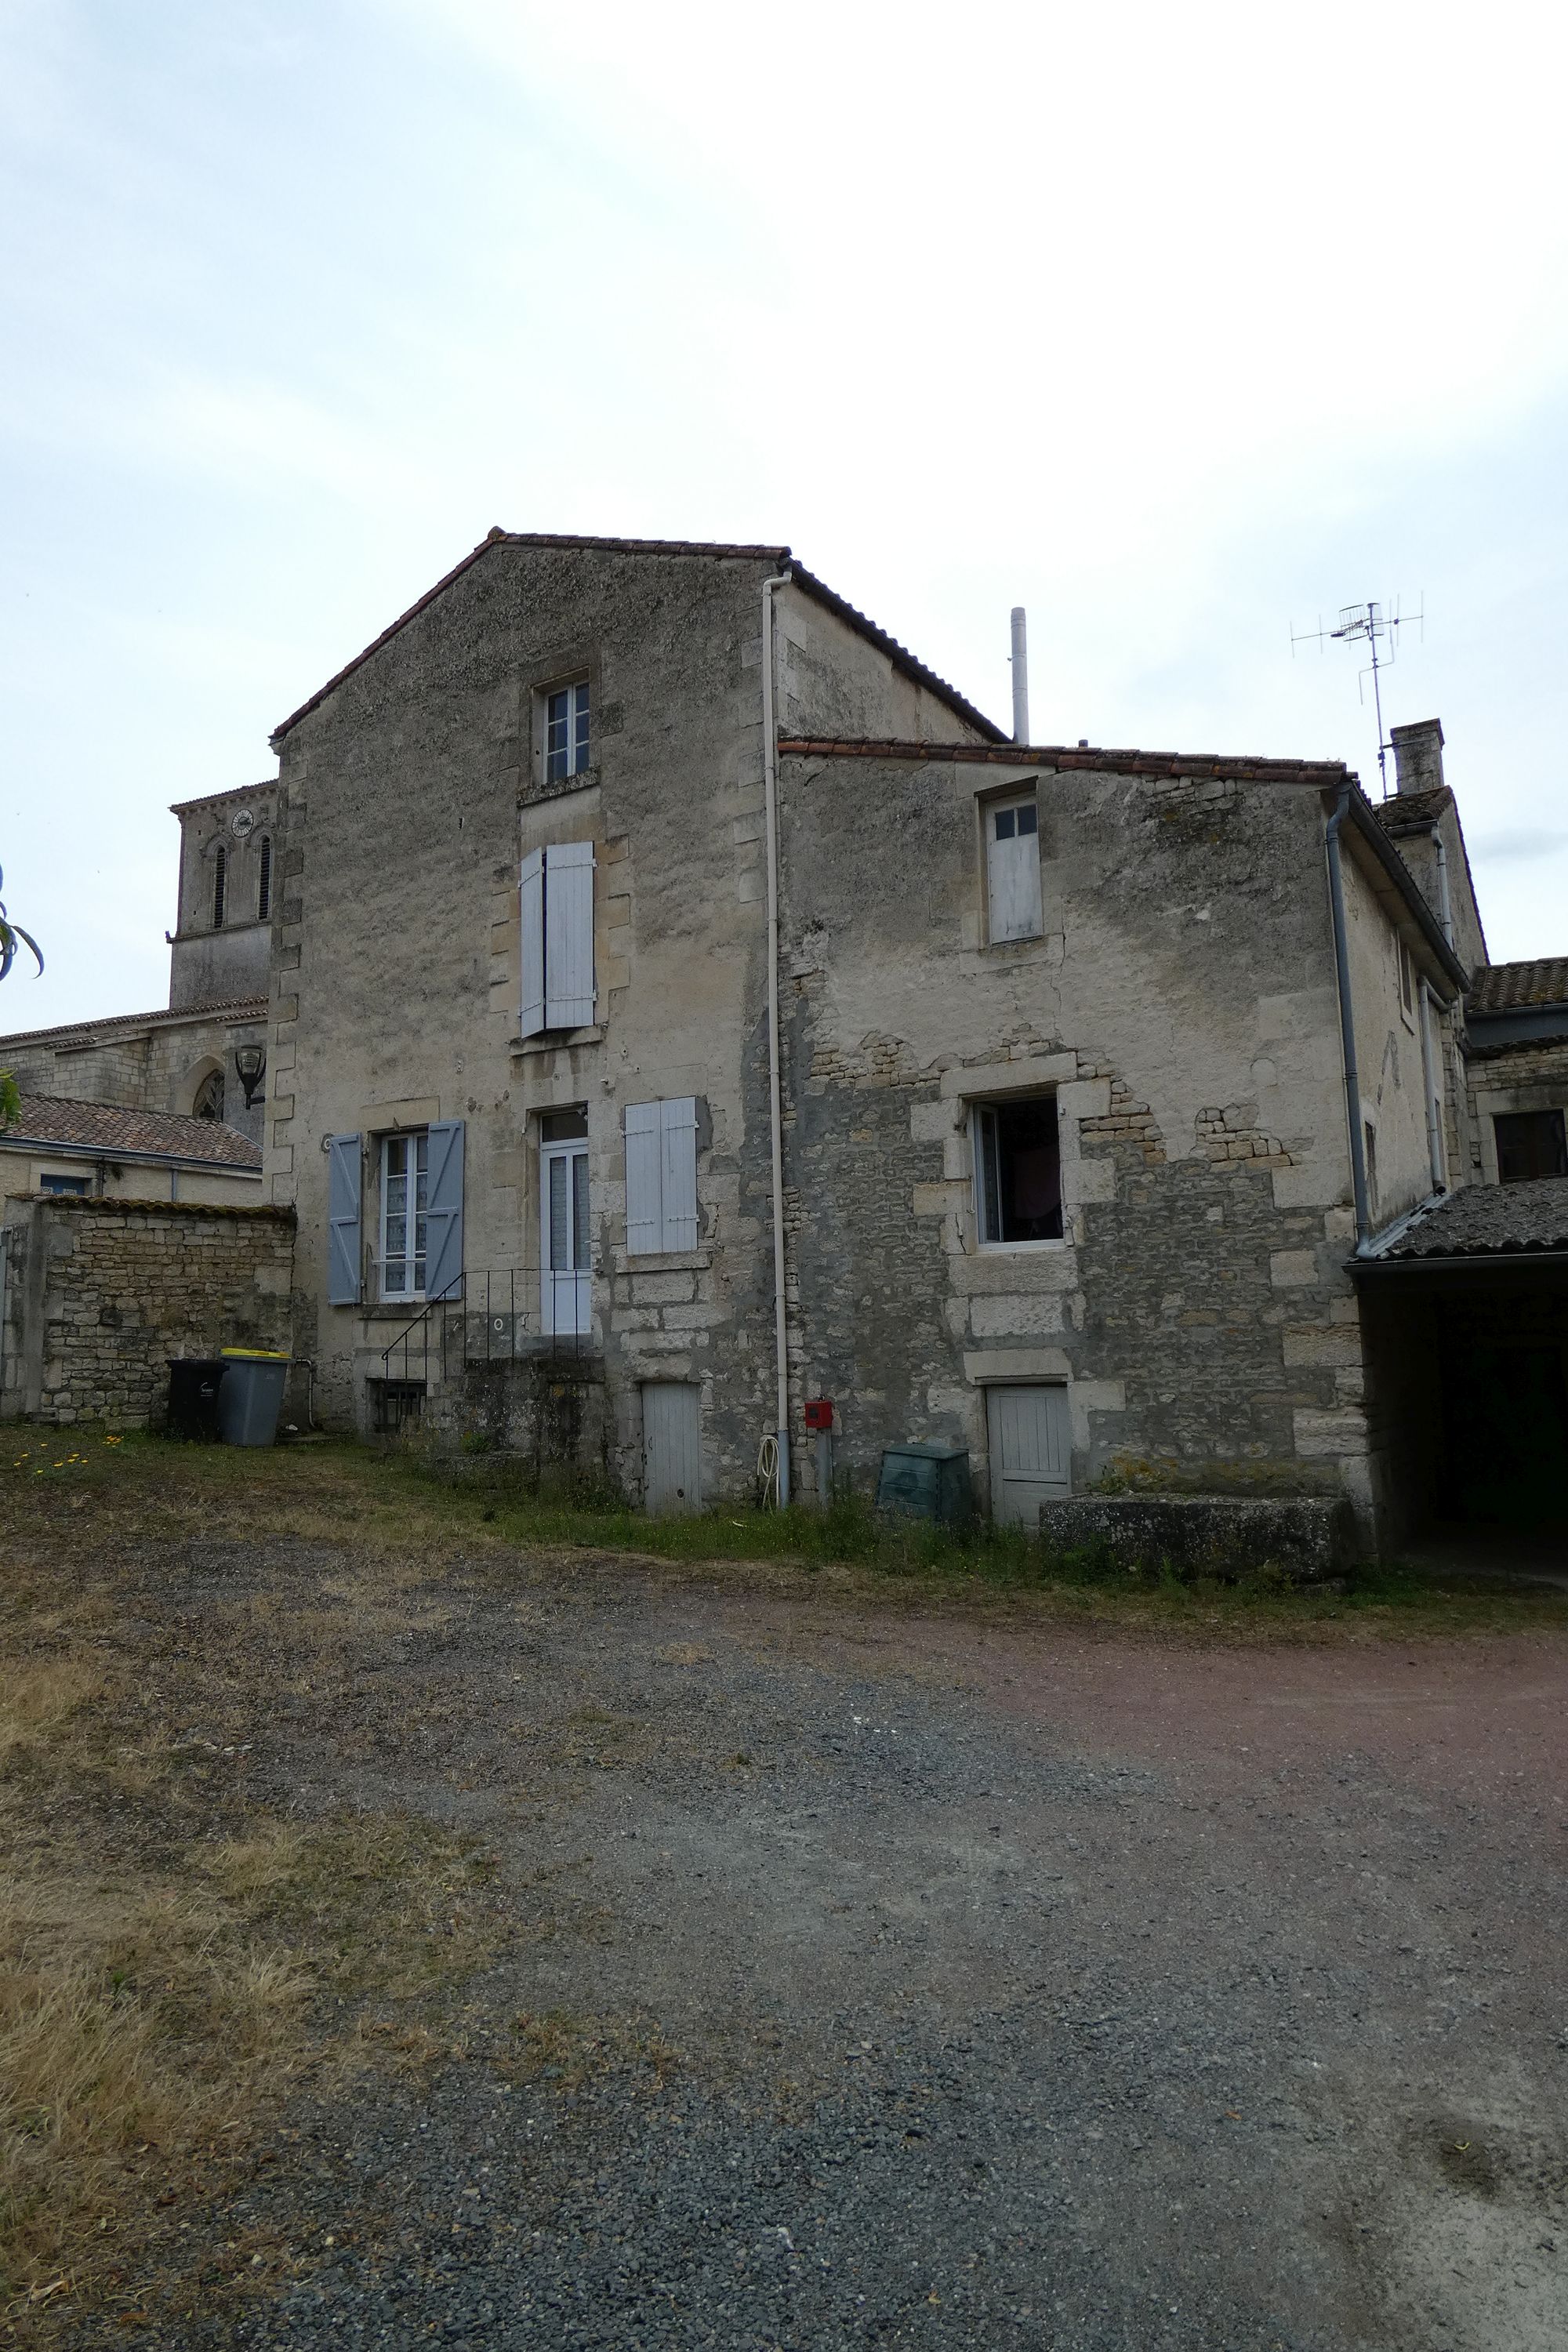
(1178,326)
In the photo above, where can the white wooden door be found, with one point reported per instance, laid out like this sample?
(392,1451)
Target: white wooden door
(673,1446)
(565,1280)
(1031,1451)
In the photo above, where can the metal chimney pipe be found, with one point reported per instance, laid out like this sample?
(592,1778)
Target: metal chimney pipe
(1020,676)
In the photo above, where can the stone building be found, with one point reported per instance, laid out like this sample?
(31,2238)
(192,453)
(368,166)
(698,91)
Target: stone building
(685,1008)
(1056,1165)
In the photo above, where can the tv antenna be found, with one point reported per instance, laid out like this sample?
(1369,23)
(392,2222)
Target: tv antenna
(1376,627)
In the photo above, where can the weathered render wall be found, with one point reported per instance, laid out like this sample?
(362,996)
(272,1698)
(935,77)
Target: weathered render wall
(409,795)
(1181,1004)
(125,1179)
(100,1294)
(1388,1048)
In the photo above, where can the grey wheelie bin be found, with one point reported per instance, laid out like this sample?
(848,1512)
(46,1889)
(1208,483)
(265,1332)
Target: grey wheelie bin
(251,1395)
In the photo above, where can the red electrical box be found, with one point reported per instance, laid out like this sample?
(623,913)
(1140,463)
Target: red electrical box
(819,1413)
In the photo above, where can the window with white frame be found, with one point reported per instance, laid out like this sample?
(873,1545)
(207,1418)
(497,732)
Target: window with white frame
(1017,1170)
(565,1253)
(1013,869)
(404,1214)
(661,1176)
(557,904)
(566,731)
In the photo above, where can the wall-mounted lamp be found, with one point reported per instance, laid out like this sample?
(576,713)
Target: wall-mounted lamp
(250,1068)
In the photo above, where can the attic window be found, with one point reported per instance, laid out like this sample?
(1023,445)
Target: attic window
(1012,869)
(566,738)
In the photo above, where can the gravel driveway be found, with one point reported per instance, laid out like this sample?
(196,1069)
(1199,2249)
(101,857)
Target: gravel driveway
(902,1976)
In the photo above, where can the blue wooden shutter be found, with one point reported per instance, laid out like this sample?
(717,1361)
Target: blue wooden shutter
(444,1211)
(342,1219)
(645,1224)
(569,935)
(678,1169)
(531,893)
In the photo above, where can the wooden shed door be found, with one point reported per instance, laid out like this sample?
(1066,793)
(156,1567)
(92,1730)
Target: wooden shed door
(673,1446)
(1031,1451)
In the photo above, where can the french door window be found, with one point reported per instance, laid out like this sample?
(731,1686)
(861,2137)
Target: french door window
(565,1277)
(405,1190)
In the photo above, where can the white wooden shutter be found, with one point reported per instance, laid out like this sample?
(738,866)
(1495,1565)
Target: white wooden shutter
(531,892)
(342,1219)
(569,935)
(444,1212)
(645,1224)
(677,1167)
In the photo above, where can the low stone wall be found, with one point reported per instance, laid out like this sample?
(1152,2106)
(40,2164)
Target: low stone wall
(1307,1537)
(100,1294)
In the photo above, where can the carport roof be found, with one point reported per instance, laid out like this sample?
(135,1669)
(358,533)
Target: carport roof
(1482,1222)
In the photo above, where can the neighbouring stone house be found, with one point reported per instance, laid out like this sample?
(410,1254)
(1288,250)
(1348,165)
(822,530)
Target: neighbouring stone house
(685,1008)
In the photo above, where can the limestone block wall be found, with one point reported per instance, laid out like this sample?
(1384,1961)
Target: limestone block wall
(100,1294)
(157,1061)
(1529,1076)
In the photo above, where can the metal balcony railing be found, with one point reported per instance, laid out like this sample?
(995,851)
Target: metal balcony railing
(496,1316)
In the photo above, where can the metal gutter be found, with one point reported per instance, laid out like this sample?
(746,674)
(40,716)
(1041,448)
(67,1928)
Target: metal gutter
(776,1092)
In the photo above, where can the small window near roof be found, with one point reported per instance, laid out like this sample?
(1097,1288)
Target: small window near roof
(1018,1171)
(566,735)
(74,1187)
(1012,869)
(1530,1143)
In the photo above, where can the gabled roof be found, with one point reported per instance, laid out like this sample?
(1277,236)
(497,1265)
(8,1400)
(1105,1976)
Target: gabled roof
(232,1009)
(718,551)
(1512,987)
(109,1131)
(216,800)
(1482,1220)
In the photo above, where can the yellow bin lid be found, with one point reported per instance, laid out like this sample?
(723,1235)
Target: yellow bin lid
(260,1355)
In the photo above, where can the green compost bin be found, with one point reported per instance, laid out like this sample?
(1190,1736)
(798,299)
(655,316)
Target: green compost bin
(927,1482)
(251,1396)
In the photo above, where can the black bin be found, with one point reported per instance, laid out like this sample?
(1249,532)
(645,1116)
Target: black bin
(193,1384)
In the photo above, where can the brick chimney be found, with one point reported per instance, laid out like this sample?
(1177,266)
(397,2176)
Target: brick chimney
(1418,755)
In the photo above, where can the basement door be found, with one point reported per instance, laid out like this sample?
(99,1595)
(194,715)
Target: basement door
(1031,1451)
(673,1446)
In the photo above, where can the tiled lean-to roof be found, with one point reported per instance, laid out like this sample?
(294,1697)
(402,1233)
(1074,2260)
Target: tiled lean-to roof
(233,1009)
(722,550)
(51,1123)
(1482,1222)
(1515,987)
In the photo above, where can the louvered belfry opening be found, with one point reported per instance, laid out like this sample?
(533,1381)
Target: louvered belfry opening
(220,884)
(264,879)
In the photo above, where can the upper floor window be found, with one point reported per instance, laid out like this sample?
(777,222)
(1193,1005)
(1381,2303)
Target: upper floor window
(1018,1171)
(1530,1143)
(567,736)
(1013,869)
(405,1204)
(264,879)
(220,884)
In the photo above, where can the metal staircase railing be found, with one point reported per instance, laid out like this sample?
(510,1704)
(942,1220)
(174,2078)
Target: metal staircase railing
(494,1316)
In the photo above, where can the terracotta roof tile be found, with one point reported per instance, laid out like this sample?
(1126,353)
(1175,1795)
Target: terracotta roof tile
(105,1128)
(1512,987)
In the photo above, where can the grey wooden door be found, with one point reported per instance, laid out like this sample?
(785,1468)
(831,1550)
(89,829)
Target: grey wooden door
(1031,1451)
(673,1446)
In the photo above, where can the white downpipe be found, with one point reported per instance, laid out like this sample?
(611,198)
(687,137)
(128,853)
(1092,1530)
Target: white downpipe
(1020,676)
(775,1093)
